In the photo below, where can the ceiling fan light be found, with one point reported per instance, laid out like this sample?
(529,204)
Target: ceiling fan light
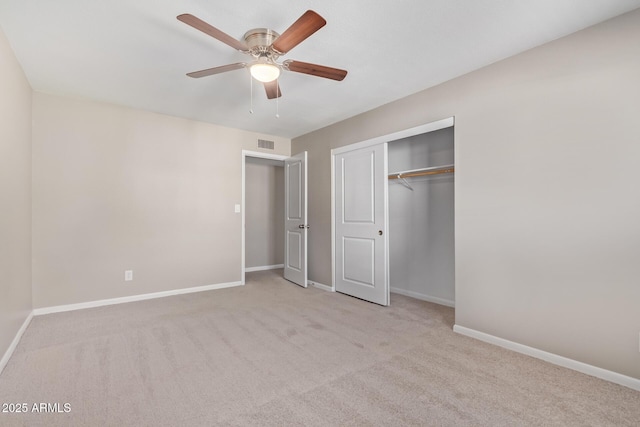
(264,72)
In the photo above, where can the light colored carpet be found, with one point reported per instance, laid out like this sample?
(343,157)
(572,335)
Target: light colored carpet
(271,353)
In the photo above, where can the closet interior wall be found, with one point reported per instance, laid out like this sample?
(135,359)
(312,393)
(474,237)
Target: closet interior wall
(264,213)
(421,221)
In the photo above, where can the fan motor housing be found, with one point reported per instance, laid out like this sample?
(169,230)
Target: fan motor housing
(258,40)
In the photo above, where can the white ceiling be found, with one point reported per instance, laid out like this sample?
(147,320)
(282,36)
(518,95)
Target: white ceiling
(136,53)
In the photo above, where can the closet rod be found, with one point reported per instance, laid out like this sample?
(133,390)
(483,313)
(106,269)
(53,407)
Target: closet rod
(430,171)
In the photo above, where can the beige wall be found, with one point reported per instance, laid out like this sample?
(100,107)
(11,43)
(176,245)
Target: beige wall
(546,192)
(15,196)
(264,216)
(118,189)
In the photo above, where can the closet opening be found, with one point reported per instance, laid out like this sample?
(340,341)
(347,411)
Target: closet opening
(421,216)
(393,215)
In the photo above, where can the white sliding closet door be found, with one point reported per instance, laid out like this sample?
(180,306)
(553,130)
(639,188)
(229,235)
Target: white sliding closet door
(360,218)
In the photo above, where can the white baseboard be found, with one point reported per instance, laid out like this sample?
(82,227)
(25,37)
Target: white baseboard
(263,268)
(594,371)
(320,286)
(133,298)
(423,297)
(14,343)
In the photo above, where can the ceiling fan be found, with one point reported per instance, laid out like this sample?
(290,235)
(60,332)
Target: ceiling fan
(266,46)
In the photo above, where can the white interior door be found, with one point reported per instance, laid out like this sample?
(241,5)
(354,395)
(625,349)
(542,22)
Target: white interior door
(360,218)
(295,212)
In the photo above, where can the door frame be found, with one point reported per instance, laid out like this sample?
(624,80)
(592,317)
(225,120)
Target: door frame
(417,130)
(260,155)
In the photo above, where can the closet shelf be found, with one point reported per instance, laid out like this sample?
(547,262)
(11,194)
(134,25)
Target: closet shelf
(435,170)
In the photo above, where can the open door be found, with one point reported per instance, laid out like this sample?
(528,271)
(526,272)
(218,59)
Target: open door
(360,221)
(295,221)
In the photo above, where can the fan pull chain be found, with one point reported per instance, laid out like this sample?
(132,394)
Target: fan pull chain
(251,100)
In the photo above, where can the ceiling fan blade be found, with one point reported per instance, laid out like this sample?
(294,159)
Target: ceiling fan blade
(315,70)
(273,89)
(307,24)
(217,70)
(199,24)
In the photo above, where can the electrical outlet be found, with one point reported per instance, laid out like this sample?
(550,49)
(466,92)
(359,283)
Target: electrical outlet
(128,275)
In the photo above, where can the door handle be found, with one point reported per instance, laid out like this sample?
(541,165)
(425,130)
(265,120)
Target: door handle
(301,226)
(380,232)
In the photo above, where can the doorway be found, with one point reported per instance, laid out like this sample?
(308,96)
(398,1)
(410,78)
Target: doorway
(262,211)
(264,214)
(276,237)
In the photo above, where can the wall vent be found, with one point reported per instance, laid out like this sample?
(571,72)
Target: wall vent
(263,143)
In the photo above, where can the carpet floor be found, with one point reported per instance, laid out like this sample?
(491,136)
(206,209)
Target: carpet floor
(273,354)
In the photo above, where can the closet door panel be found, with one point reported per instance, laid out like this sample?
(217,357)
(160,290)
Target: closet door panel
(358,260)
(360,223)
(358,189)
